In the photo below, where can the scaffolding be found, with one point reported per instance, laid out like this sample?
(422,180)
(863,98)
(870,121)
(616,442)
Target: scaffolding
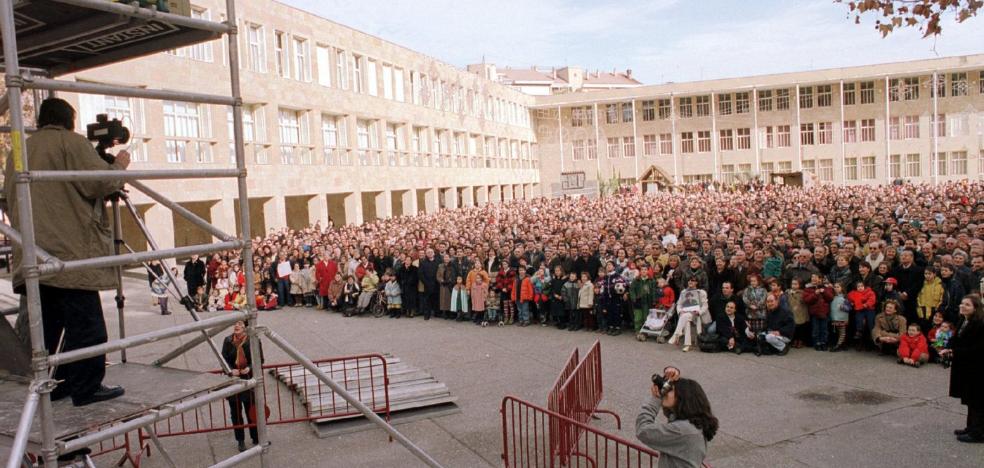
(34,53)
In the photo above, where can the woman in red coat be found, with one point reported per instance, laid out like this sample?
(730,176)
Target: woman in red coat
(324,274)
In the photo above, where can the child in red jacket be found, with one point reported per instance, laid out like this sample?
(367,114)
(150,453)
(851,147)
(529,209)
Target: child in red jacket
(668,298)
(913,349)
(817,297)
(863,300)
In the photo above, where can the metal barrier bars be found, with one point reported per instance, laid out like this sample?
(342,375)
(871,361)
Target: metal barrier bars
(578,399)
(365,375)
(526,436)
(554,396)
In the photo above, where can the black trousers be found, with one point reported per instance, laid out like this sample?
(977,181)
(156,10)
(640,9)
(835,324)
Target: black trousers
(975,421)
(238,406)
(79,313)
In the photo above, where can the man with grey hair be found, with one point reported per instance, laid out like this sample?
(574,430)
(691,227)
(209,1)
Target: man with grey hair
(802,268)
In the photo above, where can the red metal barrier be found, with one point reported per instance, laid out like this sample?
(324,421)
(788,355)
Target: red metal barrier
(554,396)
(364,376)
(578,399)
(527,435)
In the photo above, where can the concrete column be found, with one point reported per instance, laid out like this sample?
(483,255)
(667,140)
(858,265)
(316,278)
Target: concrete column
(384,204)
(160,223)
(481,195)
(495,194)
(318,210)
(431,203)
(468,196)
(507,193)
(451,198)
(224,217)
(353,208)
(410,202)
(274,213)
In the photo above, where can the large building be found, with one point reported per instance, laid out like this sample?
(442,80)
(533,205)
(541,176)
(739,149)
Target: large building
(339,125)
(344,126)
(858,125)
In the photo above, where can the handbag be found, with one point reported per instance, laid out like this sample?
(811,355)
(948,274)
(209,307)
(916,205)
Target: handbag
(709,342)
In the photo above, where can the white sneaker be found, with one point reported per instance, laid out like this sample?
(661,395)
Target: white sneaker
(673,339)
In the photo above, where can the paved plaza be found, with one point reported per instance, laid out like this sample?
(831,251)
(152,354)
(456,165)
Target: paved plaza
(805,409)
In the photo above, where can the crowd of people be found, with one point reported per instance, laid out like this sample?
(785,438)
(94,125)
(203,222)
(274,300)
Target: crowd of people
(760,269)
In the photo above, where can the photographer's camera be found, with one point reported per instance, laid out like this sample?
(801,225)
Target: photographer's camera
(107,133)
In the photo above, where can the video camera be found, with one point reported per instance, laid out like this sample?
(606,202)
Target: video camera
(107,133)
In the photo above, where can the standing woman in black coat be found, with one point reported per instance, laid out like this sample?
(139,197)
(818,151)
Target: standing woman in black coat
(967,373)
(236,352)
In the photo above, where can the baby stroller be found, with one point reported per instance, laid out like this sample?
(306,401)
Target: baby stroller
(659,323)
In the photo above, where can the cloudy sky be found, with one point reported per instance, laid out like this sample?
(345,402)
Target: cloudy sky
(660,40)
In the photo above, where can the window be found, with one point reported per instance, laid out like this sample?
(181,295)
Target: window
(572,180)
(980,84)
(366,140)
(128,110)
(744,138)
(941,164)
(333,137)
(911,127)
(419,141)
(323,58)
(768,137)
(785,166)
(388,81)
(698,178)
(782,99)
(703,106)
(614,149)
(825,133)
(782,136)
(704,141)
(581,116)
(256,49)
(895,166)
(806,134)
(911,88)
(810,166)
(665,109)
(399,93)
(727,140)
(849,97)
(806,97)
(650,146)
(687,142)
(627,112)
(724,104)
(341,73)
(938,89)
(356,63)
(867,130)
(825,170)
(686,107)
(728,173)
(628,147)
(958,125)
(186,126)
(302,59)
(958,163)
(867,95)
(665,143)
(293,135)
(850,131)
(611,113)
(765,100)
(201,52)
(372,86)
(741,103)
(939,125)
(577,149)
(648,111)
(912,165)
(280,52)
(766,170)
(254,126)
(823,96)
(894,128)
(592,148)
(868,168)
(851,168)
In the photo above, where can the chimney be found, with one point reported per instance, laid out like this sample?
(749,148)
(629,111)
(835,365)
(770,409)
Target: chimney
(553,71)
(628,73)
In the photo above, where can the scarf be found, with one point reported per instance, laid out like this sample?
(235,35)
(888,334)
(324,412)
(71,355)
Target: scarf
(238,341)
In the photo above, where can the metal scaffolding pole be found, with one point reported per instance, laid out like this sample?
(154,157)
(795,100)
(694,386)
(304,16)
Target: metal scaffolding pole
(124,91)
(125,259)
(134,11)
(25,210)
(72,176)
(244,228)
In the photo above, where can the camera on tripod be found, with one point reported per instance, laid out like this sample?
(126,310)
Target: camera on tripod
(107,133)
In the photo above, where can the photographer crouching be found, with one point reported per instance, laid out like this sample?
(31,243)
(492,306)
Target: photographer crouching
(70,223)
(690,425)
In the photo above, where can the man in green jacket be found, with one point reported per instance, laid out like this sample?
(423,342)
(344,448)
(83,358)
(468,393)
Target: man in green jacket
(70,223)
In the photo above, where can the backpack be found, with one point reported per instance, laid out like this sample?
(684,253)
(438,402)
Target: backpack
(709,342)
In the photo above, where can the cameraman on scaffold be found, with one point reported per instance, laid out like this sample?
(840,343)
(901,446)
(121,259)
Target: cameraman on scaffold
(71,222)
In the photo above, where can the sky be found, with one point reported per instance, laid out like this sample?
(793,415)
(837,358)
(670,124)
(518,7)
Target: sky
(659,40)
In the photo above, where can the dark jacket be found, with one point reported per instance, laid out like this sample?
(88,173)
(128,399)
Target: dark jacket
(780,320)
(717,303)
(967,373)
(229,354)
(818,301)
(194,275)
(796,270)
(428,274)
(726,331)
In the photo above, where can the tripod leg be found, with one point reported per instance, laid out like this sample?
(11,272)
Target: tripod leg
(120,299)
(167,272)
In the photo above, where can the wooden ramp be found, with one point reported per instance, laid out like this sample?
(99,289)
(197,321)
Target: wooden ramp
(411,391)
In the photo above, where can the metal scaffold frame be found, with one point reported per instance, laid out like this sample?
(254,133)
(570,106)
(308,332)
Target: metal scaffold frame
(37,264)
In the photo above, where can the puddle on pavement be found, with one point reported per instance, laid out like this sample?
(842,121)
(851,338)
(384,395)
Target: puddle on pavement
(850,397)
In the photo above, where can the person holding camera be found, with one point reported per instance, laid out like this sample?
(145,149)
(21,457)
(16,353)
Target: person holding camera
(690,424)
(70,223)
